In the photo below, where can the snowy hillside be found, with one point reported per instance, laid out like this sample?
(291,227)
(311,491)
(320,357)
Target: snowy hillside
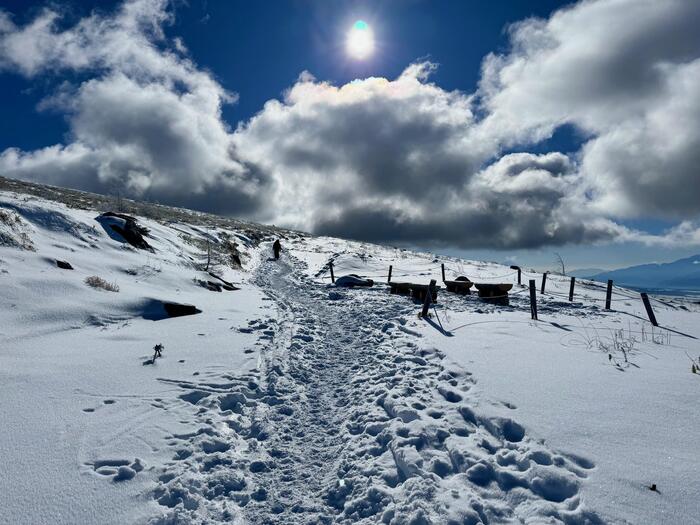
(286,399)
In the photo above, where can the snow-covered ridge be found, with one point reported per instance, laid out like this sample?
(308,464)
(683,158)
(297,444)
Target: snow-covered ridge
(292,401)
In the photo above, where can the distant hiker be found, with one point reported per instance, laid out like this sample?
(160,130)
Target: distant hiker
(157,351)
(276,247)
(235,255)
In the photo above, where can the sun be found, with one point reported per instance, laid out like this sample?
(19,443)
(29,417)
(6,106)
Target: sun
(360,41)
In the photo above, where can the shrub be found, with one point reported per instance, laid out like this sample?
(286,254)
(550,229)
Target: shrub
(99,282)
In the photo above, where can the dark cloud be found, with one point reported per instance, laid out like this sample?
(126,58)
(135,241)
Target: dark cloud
(390,160)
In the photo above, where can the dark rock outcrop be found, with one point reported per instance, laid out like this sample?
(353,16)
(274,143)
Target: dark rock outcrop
(65,265)
(131,231)
(179,310)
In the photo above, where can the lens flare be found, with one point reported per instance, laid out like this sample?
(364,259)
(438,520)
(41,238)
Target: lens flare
(360,41)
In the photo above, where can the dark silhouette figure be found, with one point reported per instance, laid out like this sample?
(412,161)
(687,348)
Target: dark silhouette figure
(157,351)
(276,247)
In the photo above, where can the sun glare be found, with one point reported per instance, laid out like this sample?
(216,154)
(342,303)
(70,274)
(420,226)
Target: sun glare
(360,41)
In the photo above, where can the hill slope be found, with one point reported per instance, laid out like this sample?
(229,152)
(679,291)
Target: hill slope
(290,400)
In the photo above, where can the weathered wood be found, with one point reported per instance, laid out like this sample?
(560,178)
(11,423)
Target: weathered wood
(400,288)
(533,300)
(571,289)
(428,298)
(494,293)
(459,286)
(608,294)
(389,278)
(650,312)
(419,291)
(544,281)
(330,265)
(514,267)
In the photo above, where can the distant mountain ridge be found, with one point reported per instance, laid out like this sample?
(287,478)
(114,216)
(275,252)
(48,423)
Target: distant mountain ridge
(585,273)
(683,274)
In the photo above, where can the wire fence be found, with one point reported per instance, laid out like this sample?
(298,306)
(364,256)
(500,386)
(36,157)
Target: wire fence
(435,268)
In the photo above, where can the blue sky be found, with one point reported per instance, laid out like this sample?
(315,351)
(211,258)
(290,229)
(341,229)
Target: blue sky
(258,49)
(244,54)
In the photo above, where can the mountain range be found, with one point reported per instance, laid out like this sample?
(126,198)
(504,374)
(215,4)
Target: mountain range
(683,274)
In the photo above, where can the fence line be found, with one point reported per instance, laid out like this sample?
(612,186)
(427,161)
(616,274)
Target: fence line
(434,268)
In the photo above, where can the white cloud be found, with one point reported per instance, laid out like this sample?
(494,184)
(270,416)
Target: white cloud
(395,160)
(400,160)
(627,73)
(146,121)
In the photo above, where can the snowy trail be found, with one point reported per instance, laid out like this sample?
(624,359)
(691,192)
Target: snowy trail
(349,419)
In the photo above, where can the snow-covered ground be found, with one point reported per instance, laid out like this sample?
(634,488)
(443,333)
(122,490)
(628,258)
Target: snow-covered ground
(293,401)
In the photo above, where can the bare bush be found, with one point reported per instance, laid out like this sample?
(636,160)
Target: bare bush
(98,282)
(619,343)
(217,251)
(658,337)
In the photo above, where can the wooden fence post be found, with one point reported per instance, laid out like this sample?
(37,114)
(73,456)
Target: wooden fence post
(533,300)
(608,295)
(544,281)
(330,265)
(519,270)
(428,298)
(443,272)
(571,289)
(650,312)
(389,278)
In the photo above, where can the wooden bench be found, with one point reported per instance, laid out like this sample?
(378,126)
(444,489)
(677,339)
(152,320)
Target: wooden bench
(460,285)
(494,293)
(417,291)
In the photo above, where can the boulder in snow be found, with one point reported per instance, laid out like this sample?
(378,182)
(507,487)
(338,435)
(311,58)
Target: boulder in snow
(64,265)
(124,228)
(352,280)
(178,310)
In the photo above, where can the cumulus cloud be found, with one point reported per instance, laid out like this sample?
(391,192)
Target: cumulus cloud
(625,72)
(145,121)
(391,160)
(400,160)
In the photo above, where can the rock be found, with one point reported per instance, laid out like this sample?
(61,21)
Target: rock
(352,280)
(126,227)
(213,287)
(65,265)
(179,310)
(226,285)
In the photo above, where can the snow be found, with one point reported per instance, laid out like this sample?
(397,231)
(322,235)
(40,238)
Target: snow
(293,401)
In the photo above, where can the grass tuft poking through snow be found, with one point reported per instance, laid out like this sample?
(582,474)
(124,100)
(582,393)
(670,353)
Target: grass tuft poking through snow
(98,282)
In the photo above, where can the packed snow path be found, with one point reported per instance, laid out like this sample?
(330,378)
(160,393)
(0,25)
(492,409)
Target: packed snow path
(349,419)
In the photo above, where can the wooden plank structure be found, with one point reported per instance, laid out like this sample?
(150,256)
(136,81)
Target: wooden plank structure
(460,285)
(494,293)
(417,291)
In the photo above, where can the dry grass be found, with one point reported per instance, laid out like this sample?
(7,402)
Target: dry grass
(13,231)
(98,282)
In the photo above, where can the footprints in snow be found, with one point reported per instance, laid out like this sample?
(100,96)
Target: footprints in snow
(356,422)
(90,410)
(265,326)
(117,469)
